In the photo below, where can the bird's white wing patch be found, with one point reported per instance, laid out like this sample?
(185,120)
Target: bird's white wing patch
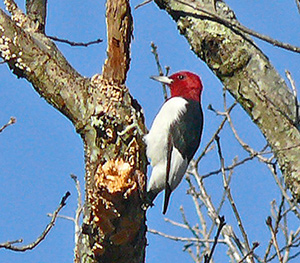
(157,138)
(157,143)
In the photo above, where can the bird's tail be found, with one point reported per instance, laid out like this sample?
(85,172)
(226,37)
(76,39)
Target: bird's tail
(168,192)
(151,195)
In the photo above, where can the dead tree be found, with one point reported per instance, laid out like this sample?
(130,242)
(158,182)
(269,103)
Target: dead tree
(105,115)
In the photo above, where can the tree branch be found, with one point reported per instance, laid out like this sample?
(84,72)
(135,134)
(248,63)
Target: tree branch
(10,122)
(222,223)
(274,238)
(34,57)
(76,44)
(119,33)
(9,244)
(160,72)
(230,198)
(183,239)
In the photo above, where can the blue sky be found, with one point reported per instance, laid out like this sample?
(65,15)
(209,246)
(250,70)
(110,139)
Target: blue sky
(41,150)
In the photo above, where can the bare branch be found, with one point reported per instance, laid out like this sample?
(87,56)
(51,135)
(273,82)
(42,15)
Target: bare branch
(8,245)
(232,166)
(292,203)
(76,44)
(254,246)
(216,133)
(10,122)
(155,53)
(278,218)
(176,223)
(230,198)
(185,221)
(183,239)
(69,218)
(195,196)
(118,16)
(274,238)
(78,213)
(142,4)
(222,223)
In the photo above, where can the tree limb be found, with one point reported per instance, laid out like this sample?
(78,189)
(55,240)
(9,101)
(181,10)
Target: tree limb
(76,44)
(222,223)
(33,56)
(11,121)
(9,244)
(119,33)
(247,74)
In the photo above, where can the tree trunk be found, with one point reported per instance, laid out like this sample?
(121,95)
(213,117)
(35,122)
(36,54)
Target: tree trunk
(108,119)
(209,27)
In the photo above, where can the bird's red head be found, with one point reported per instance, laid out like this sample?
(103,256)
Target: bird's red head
(186,84)
(183,84)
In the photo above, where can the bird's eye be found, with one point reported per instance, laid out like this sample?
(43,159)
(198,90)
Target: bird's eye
(181,77)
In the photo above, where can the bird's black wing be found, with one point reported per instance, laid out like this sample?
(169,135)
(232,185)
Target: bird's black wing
(186,133)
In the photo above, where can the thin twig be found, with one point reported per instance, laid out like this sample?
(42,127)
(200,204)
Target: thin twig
(227,231)
(230,198)
(278,218)
(195,195)
(293,205)
(274,238)
(294,245)
(8,245)
(176,223)
(288,248)
(254,246)
(10,122)
(202,220)
(216,133)
(185,221)
(155,53)
(13,242)
(222,223)
(182,239)
(69,218)
(229,167)
(77,218)
(270,165)
(76,44)
(142,4)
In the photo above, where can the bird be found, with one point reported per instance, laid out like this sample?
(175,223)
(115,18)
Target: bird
(175,134)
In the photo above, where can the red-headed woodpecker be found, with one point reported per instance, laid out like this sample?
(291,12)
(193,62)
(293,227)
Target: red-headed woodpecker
(175,133)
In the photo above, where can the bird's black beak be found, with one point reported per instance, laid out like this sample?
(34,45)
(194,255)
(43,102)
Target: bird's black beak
(162,79)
